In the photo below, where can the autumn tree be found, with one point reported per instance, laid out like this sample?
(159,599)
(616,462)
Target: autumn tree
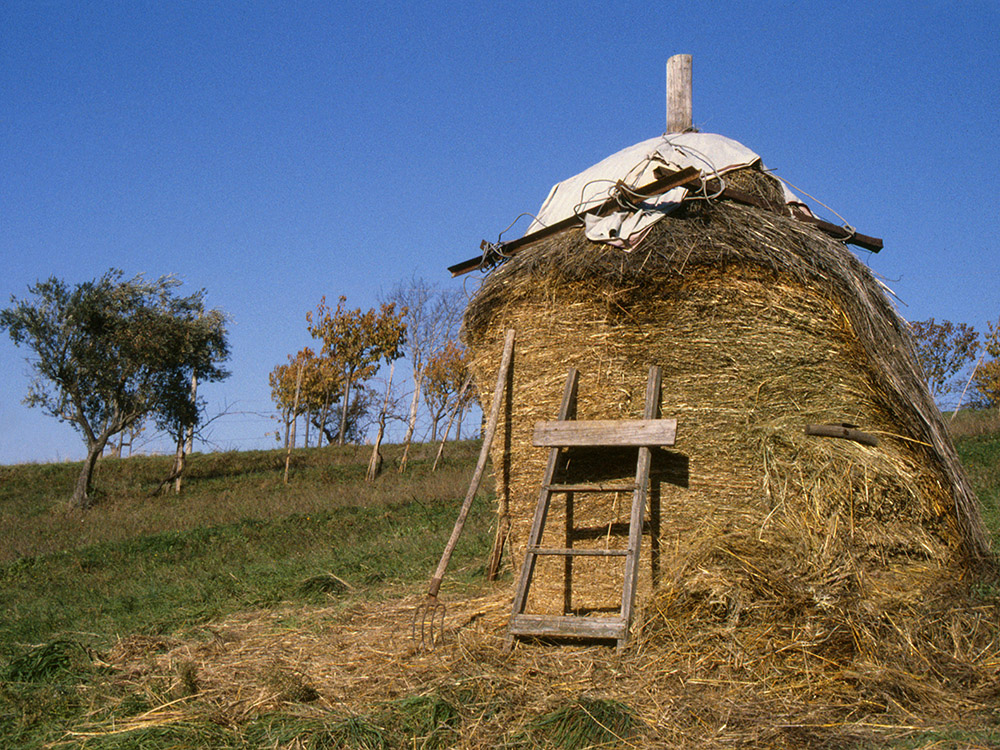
(432,318)
(289,382)
(987,377)
(444,377)
(356,343)
(944,349)
(110,352)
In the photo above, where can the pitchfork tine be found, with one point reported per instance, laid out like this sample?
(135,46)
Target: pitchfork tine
(429,619)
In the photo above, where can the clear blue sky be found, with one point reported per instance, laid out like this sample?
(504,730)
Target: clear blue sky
(272,153)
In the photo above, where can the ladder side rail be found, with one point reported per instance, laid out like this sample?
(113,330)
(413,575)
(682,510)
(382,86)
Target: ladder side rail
(568,560)
(566,410)
(639,504)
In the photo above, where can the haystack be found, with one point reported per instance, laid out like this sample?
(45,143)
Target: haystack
(762,324)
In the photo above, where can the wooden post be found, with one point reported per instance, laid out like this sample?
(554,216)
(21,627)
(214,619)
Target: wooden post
(679,93)
(484,454)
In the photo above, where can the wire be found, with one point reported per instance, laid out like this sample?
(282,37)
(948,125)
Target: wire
(516,219)
(851,231)
(584,204)
(623,192)
(712,170)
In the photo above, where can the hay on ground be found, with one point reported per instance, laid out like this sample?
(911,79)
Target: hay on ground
(708,668)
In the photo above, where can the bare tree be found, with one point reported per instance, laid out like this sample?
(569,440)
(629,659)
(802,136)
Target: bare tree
(432,319)
(375,463)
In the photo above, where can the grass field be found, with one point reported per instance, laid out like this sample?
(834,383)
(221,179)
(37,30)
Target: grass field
(239,551)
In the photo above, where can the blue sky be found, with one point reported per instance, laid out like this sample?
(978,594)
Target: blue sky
(272,153)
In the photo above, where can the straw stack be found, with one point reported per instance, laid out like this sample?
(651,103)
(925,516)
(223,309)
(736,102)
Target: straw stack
(761,325)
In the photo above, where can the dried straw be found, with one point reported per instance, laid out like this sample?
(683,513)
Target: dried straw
(762,325)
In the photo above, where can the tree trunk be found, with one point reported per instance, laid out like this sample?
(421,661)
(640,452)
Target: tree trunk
(375,462)
(179,463)
(295,421)
(321,422)
(81,498)
(343,412)
(457,411)
(411,423)
(185,443)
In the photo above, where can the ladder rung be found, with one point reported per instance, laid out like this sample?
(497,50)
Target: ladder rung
(591,487)
(568,625)
(585,552)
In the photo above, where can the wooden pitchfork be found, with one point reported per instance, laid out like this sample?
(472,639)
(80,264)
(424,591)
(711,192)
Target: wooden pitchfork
(428,619)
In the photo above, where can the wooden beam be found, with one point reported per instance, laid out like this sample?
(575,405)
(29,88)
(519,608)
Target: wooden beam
(578,551)
(667,180)
(569,626)
(874,244)
(592,487)
(605,432)
(847,432)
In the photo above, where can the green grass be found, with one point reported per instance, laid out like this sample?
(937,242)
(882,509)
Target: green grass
(980,454)
(972,422)
(586,722)
(219,489)
(160,582)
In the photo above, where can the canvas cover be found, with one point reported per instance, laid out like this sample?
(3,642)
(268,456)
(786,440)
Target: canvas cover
(713,155)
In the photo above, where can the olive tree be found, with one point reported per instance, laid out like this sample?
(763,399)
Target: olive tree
(110,352)
(944,350)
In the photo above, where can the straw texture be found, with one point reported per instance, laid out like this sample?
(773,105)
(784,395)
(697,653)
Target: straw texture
(761,325)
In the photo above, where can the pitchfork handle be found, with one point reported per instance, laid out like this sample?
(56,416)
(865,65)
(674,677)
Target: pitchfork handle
(484,452)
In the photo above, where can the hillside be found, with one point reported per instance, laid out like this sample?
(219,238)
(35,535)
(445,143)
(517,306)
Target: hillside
(245,613)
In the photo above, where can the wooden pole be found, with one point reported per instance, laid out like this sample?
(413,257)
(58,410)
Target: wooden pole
(484,453)
(679,94)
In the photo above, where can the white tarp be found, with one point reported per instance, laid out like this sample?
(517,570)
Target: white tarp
(712,154)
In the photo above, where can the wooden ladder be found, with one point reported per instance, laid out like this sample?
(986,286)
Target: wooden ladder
(560,437)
